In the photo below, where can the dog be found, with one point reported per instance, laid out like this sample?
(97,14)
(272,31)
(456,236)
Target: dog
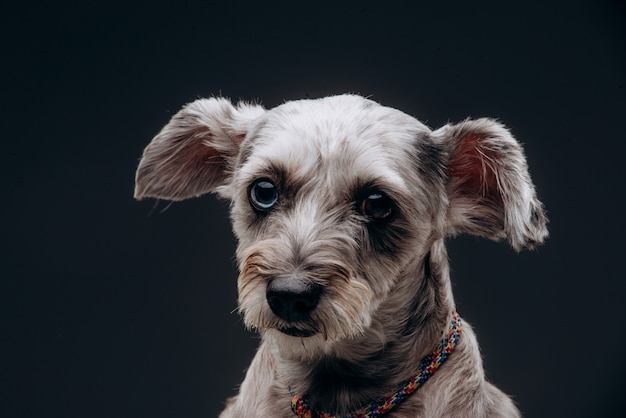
(341,207)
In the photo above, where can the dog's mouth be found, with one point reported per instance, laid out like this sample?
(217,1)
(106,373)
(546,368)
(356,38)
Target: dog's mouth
(297,332)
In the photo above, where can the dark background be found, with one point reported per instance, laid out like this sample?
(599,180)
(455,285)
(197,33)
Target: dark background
(114,308)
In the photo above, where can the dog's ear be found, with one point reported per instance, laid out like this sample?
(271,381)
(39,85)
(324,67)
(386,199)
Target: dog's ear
(195,152)
(489,188)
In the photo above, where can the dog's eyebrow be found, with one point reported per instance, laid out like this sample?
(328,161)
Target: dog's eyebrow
(273,170)
(387,180)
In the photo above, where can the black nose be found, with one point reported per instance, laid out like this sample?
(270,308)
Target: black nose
(292,299)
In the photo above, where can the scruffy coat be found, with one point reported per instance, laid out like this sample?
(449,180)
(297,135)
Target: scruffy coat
(387,298)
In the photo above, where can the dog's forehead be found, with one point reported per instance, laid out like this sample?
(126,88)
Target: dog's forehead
(344,135)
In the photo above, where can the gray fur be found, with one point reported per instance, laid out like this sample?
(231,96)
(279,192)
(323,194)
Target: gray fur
(387,298)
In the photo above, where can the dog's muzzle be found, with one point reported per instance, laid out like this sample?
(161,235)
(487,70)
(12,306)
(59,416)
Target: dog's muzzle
(292,300)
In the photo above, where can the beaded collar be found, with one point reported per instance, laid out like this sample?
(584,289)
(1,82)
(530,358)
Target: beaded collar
(428,366)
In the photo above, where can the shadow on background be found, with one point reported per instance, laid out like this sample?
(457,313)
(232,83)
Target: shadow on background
(113,307)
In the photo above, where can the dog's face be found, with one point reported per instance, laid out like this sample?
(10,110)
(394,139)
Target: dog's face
(329,207)
(335,200)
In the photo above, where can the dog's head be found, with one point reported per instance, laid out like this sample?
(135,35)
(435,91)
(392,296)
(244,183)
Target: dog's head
(333,200)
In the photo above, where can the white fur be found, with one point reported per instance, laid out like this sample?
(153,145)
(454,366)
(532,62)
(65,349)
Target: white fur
(387,298)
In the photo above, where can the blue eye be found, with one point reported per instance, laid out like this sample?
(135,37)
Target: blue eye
(263,195)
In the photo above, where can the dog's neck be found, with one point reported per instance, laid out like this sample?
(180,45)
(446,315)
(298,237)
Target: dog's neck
(408,330)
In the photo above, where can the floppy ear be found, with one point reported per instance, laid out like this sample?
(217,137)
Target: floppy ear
(489,188)
(195,152)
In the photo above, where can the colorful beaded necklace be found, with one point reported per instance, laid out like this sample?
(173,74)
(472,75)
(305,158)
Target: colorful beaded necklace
(428,366)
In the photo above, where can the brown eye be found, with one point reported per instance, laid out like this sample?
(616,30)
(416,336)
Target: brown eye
(377,206)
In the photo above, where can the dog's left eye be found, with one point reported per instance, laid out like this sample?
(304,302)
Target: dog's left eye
(377,206)
(263,195)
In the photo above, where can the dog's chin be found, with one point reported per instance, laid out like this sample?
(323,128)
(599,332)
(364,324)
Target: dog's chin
(297,344)
(297,332)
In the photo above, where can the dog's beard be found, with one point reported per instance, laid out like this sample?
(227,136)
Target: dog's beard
(344,312)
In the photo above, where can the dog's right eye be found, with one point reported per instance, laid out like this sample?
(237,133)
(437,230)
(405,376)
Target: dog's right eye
(263,195)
